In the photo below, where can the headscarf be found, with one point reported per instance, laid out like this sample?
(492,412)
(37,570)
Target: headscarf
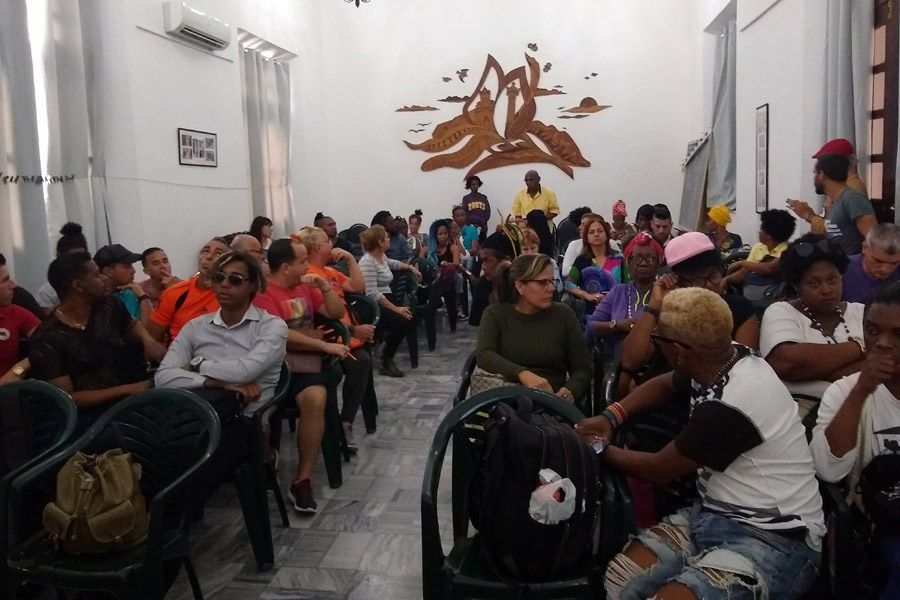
(537,221)
(618,209)
(720,214)
(643,239)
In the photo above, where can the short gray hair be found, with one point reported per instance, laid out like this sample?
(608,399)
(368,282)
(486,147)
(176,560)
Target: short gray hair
(885,236)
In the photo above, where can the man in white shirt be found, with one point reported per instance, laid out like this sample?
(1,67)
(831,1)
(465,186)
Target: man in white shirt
(859,422)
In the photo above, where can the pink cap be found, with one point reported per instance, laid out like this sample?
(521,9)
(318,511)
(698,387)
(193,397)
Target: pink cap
(687,245)
(839,146)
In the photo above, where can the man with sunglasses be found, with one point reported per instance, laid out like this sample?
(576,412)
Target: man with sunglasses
(187,299)
(756,527)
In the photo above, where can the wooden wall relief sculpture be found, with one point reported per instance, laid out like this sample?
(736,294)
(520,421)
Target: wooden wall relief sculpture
(500,129)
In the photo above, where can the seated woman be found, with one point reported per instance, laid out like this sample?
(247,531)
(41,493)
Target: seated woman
(816,338)
(598,268)
(718,217)
(445,254)
(376,269)
(756,528)
(694,263)
(619,310)
(528,338)
(760,273)
(531,244)
(857,433)
(499,247)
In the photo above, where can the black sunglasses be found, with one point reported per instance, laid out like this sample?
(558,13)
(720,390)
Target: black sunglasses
(233,278)
(658,339)
(806,249)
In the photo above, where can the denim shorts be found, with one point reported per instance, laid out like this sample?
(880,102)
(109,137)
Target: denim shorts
(723,558)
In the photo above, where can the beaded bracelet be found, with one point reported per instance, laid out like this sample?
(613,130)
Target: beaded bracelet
(617,413)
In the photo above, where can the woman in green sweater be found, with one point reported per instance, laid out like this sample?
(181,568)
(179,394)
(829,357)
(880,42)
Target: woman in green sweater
(528,338)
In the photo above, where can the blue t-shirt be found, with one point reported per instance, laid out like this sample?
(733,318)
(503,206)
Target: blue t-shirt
(130,301)
(858,285)
(469,234)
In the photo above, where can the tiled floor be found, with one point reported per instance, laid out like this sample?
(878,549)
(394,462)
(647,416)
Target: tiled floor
(365,542)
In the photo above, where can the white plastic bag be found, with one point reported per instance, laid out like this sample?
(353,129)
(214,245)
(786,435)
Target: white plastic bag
(544,507)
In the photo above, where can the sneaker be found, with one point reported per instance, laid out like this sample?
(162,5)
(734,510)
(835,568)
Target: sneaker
(389,368)
(348,436)
(302,497)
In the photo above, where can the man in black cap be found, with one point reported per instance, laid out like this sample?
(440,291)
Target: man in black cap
(499,247)
(115,263)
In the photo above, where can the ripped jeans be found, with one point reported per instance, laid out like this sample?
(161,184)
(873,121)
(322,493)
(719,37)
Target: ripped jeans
(716,557)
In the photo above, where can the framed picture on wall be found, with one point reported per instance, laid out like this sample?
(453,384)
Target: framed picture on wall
(198,148)
(762,158)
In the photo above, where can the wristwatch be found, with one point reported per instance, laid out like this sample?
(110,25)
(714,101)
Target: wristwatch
(599,445)
(196,362)
(612,324)
(143,297)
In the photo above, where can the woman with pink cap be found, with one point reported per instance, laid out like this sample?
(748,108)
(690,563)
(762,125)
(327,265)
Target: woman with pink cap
(621,231)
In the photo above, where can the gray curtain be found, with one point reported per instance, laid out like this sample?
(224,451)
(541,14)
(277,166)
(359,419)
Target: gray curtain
(848,72)
(696,172)
(267,99)
(722,178)
(44,130)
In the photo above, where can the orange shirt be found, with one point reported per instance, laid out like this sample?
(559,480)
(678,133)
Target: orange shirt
(337,280)
(198,301)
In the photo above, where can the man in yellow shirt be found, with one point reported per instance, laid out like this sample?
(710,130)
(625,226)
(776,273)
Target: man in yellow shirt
(534,197)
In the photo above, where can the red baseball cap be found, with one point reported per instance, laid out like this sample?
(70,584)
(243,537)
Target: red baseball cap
(839,146)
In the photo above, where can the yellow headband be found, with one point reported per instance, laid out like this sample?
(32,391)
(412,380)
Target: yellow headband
(720,214)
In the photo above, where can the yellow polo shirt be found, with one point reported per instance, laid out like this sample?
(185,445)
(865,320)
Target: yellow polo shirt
(524,202)
(759,251)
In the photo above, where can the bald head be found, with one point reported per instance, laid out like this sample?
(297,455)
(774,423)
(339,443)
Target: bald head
(249,244)
(532,182)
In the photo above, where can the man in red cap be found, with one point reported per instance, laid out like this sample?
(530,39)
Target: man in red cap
(851,222)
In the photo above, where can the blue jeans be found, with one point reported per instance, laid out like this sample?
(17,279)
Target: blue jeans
(716,557)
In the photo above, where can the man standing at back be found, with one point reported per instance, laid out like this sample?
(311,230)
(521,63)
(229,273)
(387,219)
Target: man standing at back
(187,299)
(534,197)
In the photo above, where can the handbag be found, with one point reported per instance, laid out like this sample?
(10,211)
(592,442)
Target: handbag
(482,381)
(99,506)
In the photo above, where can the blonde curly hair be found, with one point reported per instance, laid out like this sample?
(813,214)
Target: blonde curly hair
(698,317)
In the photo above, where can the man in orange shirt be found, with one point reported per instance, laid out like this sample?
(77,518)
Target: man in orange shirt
(356,372)
(187,299)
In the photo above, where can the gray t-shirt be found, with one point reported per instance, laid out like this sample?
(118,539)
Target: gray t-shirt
(840,223)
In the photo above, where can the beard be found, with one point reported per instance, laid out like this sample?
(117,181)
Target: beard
(819,188)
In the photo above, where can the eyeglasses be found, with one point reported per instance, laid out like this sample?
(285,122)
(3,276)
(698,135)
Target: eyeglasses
(541,282)
(233,278)
(713,278)
(806,249)
(649,259)
(659,339)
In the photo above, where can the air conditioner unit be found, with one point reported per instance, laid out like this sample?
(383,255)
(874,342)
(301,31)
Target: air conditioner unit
(195,26)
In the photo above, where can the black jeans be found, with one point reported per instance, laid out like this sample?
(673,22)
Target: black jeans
(356,379)
(392,327)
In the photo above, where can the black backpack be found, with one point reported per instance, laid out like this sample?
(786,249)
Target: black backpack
(516,444)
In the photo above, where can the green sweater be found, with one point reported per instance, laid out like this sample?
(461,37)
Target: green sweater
(549,343)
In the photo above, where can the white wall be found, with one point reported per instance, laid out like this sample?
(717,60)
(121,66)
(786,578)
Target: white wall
(364,63)
(780,61)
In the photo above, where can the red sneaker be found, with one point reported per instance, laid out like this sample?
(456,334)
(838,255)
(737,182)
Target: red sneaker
(302,497)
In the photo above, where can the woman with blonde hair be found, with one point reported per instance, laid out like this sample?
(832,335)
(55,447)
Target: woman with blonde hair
(528,338)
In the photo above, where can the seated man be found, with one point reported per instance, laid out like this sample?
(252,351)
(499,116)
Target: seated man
(328,225)
(868,402)
(90,346)
(756,529)
(244,242)
(398,249)
(116,263)
(71,240)
(187,299)
(156,266)
(16,324)
(239,348)
(358,366)
(297,297)
(876,266)
(661,225)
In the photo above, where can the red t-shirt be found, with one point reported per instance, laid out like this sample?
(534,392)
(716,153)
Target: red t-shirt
(298,307)
(15,323)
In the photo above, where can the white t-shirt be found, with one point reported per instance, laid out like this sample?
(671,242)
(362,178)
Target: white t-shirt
(882,416)
(783,323)
(46,297)
(760,472)
(574,249)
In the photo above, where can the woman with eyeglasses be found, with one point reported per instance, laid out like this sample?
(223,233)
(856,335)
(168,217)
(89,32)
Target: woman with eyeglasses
(528,338)
(619,310)
(816,338)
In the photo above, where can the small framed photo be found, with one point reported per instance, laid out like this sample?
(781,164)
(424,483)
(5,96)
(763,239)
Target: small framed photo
(762,158)
(197,148)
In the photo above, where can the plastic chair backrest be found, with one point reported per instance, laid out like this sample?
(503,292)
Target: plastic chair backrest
(566,231)
(354,232)
(465,378)
(363,309)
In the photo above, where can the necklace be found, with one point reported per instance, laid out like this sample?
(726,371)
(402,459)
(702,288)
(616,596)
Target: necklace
(70,321)
(817,325)
(639,301)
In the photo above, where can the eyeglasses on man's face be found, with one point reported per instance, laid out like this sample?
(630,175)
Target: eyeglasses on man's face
(659,340)
(234,279)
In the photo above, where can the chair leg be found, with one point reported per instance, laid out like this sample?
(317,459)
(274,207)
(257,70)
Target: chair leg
(412,343)
(369,405)
(459,478)
(254,505)
(275,486)
(430,326)
(192,577)
(331,441)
